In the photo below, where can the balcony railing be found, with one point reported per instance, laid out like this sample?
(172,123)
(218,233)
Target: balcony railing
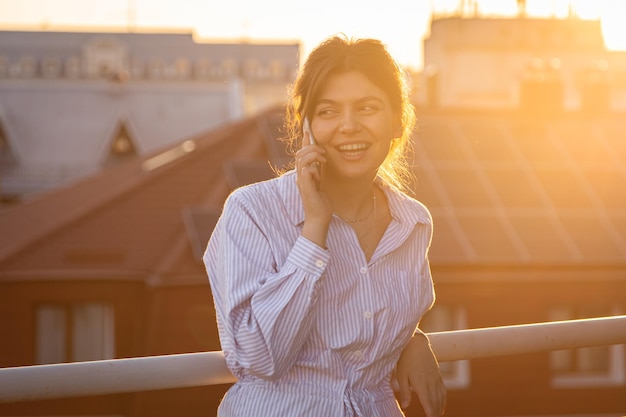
(27,383)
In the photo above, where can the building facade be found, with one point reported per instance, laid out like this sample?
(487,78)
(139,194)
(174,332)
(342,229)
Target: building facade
(74,103)
(507,63)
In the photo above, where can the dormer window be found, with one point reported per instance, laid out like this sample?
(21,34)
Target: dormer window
(122,146)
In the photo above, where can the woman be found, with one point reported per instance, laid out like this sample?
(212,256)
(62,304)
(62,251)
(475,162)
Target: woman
(320,276)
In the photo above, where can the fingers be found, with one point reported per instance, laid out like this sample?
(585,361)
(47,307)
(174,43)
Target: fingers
(309,160)
(404,393)
(309,156)
(433,402)
(306,139)
(432,395)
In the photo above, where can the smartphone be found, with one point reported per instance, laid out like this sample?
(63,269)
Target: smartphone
(306,128)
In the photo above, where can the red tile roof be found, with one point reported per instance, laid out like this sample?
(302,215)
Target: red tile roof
(127,222)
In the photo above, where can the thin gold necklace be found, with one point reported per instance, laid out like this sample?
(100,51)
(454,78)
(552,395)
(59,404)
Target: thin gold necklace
(372,230)
(367,216)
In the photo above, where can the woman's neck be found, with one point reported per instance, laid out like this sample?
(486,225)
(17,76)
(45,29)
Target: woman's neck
(351,200)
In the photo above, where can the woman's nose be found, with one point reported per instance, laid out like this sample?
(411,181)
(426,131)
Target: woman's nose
(349,123)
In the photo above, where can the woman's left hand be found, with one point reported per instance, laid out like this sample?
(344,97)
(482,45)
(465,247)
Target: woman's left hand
(418,370)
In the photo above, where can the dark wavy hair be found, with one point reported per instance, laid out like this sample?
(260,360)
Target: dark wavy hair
(370,57)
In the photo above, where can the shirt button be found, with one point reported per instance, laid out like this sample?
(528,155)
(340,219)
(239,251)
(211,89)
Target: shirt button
(358,354)
(319,263)
(367,314)
(363,270)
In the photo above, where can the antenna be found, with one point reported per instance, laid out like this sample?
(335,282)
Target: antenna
(468,7)
(571,10)
(132,16)
(521,8)
(462,7)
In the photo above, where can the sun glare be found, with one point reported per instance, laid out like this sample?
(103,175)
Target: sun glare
(613,17)
(611,13)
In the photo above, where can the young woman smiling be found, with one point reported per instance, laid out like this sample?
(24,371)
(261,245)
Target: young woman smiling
(321,276)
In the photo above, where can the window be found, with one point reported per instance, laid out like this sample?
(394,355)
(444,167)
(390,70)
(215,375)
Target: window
(442,318)
(252,69)
(202,69)
(229,68)
(183,68)
(155,69)
(74,332)
(73,67)
(590,366)
(105,57)
(122,146)
(277,70)
(137,69)
(170,71)
(27,67)
(51,67)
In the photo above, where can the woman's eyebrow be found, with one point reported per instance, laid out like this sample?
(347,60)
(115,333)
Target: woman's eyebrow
(360,100)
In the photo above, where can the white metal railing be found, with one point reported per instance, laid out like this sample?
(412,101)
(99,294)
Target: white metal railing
(40,382)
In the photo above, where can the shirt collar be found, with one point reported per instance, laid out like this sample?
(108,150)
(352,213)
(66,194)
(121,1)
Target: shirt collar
(403,208)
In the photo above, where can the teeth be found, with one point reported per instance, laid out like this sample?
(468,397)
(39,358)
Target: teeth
(353,147)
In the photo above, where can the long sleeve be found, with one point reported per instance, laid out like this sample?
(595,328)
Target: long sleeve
(264,300)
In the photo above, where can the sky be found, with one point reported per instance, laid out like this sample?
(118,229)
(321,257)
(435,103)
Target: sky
(401,24)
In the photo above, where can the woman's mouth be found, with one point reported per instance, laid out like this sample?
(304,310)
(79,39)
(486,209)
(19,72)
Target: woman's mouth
(352,148)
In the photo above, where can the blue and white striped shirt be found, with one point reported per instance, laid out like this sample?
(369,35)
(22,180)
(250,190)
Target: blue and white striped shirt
(308,331)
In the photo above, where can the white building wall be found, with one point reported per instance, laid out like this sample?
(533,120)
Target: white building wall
(63,96)
(60,131)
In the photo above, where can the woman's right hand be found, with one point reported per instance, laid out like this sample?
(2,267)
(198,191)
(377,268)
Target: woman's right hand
(318,209)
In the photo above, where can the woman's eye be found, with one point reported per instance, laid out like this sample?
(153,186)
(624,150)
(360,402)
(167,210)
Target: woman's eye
(368,108)
(325,112)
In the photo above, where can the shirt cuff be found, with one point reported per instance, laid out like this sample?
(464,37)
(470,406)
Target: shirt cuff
(309,257)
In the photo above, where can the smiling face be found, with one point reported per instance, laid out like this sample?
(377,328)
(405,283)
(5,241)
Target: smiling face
(322,77)
(354,122)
